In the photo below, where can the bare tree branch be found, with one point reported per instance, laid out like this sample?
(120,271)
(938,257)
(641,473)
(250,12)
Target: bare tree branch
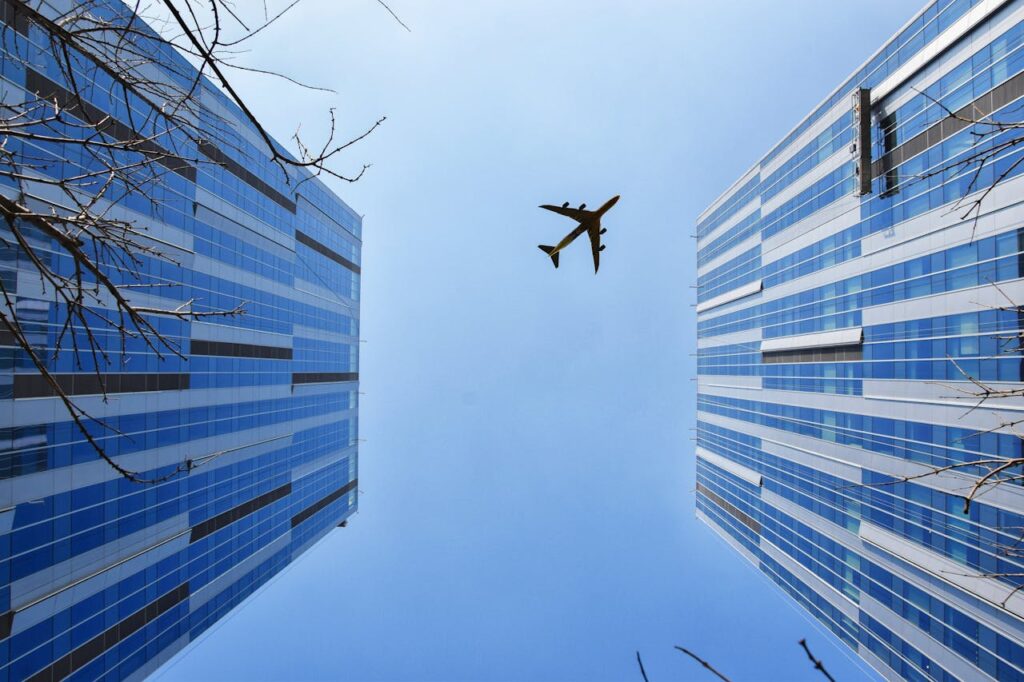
(639,662)
(385,6)
(818,665)
(704,663)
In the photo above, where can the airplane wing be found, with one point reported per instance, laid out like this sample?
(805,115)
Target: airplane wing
(595,246)
(574,213)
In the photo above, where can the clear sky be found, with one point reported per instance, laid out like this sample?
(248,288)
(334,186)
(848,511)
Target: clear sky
(528,471)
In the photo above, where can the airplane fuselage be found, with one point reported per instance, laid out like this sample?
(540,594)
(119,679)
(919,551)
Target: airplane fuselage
(589,224)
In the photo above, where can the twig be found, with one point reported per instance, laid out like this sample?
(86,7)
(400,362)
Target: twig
(639,662)
(705,663)
(818,665)
(385,6)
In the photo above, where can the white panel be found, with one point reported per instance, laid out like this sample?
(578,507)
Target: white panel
(972,300)
(991,590)
(814,459)
(960,392)
(722,381)
(738,470)
(837,337)
(211,331)
(736,294)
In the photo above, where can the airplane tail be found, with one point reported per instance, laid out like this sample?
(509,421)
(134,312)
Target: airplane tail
(548,250)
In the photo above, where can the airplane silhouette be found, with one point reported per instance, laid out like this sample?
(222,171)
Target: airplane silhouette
(589,222)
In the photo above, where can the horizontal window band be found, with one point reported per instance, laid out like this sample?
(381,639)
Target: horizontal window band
(313,509)
(733,511)
(103,122)
(88,383)
(990,102)
(992,590)
(850,336)
(82,655)
(832,354)
(224,519)
(213,153)
(239,350)
(90,576)
(303,238)
(11,15)
(323,377)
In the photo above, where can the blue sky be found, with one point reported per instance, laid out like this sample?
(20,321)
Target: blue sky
(528,471)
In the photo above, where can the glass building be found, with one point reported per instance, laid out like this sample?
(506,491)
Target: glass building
(843,303)
(105,578)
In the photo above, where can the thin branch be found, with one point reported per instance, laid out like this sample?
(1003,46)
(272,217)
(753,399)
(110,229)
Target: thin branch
(704,663)
(818,665)
(385,6)
(639,662)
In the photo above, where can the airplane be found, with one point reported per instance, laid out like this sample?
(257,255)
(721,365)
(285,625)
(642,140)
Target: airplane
(589,222)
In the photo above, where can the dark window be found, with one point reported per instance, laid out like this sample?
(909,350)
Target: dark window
(745,519)
(304,238)
(230,165)
(239,350)
(323,377)
(36,386)
(313,509)
(834,354)
(106,124)
(215,523)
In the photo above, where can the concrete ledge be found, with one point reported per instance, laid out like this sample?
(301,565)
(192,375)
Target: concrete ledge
(738,470)
(736,294)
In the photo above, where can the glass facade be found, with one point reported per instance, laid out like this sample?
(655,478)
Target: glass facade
(102,577)
(837,335)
